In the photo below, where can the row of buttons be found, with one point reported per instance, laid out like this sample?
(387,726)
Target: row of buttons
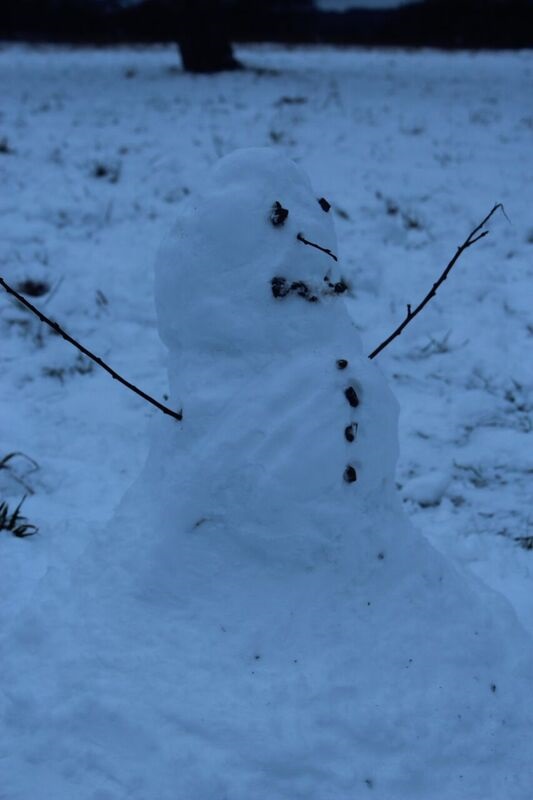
(350,431)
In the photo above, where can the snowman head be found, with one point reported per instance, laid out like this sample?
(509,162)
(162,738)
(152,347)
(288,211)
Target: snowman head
(251,262)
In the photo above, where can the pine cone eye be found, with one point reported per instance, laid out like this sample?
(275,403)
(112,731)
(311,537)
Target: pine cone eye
(278,214)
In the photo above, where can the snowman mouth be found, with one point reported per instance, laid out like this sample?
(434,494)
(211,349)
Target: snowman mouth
(281,287)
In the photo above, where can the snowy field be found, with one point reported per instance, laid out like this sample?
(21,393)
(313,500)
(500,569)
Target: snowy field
(440,138)
(98,148)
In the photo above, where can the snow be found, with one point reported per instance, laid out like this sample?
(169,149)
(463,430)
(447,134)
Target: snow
(295,643)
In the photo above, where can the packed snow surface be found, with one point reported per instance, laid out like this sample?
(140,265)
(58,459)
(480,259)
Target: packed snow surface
(251,624)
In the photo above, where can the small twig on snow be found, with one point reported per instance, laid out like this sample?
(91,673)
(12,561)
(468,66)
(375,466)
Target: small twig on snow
(471,239)
(175,414)
(326,250)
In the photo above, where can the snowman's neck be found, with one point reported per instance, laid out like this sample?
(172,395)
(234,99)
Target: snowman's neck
(204,372)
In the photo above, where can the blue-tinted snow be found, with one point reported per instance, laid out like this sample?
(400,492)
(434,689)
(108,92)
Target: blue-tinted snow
(412,150)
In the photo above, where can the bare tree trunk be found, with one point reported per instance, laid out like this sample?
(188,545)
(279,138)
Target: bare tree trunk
(203,37)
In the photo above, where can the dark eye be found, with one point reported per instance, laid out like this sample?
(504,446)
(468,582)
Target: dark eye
(324,205)
(278,214)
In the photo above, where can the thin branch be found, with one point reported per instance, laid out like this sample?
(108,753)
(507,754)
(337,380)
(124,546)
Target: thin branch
(5,464)
(471,239)
(301,238)
(175,414)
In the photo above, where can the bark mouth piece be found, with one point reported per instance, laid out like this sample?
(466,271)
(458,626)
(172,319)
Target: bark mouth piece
(281,287)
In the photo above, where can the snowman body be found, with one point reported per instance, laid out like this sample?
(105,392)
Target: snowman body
(344,654)
(281,408)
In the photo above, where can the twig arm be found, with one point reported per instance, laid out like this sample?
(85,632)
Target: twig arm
(58,329)
(473,237)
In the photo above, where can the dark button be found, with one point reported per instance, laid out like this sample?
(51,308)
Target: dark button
(350,475)
(351,396)
(324,205)
(350,431)
(342,363)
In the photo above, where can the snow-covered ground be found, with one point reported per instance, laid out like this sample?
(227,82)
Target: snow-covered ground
(98,150)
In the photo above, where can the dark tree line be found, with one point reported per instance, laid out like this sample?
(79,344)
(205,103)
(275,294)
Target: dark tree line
(205,29)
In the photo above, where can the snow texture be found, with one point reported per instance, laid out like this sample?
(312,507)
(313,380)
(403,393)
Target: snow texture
(250,624)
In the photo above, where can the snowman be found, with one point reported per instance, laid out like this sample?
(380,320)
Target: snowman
(344,654)
(259,620)
(282,412)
